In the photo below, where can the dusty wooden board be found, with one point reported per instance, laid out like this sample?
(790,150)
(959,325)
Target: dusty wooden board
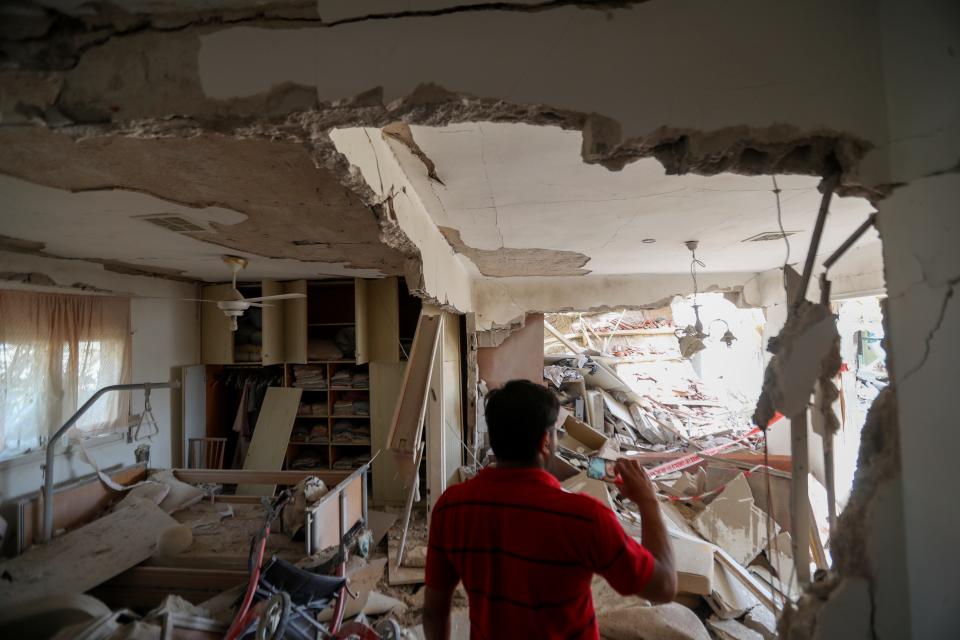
(271,437)
(241,476)
(86,557)
(405,428)
(145,587)
(73,504)
(386,379)
(380,523)
(324,528)
(403,575)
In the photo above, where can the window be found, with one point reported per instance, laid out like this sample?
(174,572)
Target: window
(56,351)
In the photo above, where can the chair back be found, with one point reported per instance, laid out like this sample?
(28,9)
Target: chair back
(207,453)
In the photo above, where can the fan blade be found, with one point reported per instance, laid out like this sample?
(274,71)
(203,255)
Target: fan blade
(281,296)
(259,304)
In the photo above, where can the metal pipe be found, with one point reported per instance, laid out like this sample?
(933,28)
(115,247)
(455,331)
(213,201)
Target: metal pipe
(829,184)
(51,445)
(842,249)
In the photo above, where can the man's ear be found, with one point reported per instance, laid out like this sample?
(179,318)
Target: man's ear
(545,445)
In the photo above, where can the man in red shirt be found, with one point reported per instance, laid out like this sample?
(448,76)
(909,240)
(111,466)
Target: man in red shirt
(525,548)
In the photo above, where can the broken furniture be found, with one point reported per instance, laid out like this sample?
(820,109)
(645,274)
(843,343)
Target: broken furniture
(51,447)
(130,574)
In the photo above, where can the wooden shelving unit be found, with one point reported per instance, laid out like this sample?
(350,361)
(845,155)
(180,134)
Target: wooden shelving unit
(299,332)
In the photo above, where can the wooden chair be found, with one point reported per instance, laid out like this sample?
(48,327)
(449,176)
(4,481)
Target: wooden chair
(207,453)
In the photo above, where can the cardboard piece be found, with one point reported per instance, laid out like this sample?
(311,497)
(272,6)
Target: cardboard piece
(589,438)
(363,577)
(734,523)
(271,436)
(86,557)
(580,483)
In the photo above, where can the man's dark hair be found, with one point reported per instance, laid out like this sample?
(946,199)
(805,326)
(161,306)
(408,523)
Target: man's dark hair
(518,414)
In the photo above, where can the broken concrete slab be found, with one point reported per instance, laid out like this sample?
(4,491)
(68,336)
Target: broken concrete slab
(694,565)
(733,522)
(730,598)
(86,557)
(662,622)
(731,630)
(762,620)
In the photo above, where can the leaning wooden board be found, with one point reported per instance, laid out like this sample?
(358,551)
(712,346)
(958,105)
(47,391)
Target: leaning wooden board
(86,557)
(271,437)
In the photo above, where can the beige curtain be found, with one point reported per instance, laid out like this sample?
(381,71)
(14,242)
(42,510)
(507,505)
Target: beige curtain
(55,352)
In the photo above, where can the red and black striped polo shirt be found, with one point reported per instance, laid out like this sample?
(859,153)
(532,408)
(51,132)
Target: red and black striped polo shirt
(526,550)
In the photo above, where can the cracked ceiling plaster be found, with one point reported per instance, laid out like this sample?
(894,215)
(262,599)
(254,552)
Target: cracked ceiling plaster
(263,199)
(518,199)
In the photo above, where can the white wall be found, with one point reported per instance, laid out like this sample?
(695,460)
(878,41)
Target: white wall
(165,337)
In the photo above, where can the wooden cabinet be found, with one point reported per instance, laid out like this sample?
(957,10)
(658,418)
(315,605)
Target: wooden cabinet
(259,338)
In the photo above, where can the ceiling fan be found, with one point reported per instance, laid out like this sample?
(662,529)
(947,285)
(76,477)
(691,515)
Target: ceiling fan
(234,307)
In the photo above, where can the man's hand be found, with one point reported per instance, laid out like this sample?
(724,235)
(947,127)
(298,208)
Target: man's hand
(637,485)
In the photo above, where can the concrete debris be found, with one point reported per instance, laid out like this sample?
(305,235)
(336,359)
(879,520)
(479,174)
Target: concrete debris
(732,630)
(733,522)
(808,340)
(663,622)
(761,620)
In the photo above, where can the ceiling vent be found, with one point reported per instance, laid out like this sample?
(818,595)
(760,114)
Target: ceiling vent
(173,223)
(768,236)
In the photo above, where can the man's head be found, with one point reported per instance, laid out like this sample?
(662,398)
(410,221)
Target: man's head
(521,417)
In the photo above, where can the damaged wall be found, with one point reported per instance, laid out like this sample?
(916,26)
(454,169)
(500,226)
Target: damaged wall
(500,301)
(520,356)
(166,336)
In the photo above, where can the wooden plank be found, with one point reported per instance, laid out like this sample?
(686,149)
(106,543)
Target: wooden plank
(74,504)
(409,412)
(216,338)
(86,557)
(383,324)
(324,529)
(385,381)
(295,323)
(360,320)
(245,476)
(145,587)
(272,349)
(271,436)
